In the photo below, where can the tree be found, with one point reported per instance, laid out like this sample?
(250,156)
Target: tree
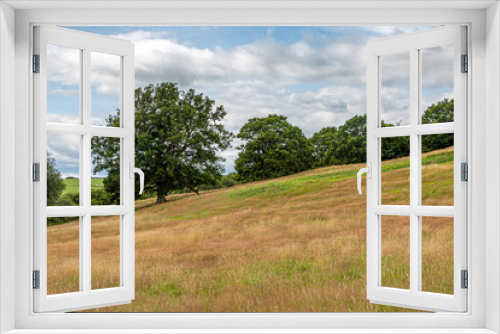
(350,143)
(347,144)
(441,112)
(323,143)
(55,183)
(273,147)
(395,147)
(177,137)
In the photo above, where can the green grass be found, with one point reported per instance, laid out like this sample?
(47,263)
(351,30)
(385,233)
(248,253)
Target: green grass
(312,182)
(302,184)
(293,244)
(72,185)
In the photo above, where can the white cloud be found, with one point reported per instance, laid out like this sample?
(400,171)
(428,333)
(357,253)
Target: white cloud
(65,149)
(395,104)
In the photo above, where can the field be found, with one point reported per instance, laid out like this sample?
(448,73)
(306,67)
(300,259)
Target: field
(72,185)
(293,244)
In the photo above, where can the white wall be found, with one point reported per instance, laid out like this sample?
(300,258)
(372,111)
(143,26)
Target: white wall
(7,160)
(304,17)
(492,164)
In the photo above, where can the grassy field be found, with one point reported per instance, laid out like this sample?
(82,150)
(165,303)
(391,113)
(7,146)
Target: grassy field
(72,185)
(293,244)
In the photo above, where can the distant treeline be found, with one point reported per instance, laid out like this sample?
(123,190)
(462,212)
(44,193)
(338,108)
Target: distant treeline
(273,147)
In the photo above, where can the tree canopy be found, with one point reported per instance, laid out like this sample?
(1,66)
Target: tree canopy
(347,143)
(441,112)
(350,142)
(55,183)
(273,147)
(177,137)
(322,142)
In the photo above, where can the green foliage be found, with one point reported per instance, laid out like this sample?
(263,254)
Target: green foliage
(68,199)
(101,197)
(273,147)
(177,138)
(112,186)
(323,141)
(97,197)
(395,147)
(55,182)
(229,180)
(350,142)
(60,220)
(347,143)
(441,112)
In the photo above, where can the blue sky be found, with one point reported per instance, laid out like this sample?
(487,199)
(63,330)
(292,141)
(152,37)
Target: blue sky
(313,75)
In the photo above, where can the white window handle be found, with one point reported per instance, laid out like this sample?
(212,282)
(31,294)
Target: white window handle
(368,171)
(141,176)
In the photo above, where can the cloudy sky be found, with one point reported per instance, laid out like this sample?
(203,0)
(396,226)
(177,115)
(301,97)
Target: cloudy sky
(313,75)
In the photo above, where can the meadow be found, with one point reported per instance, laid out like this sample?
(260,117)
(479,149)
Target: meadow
(73,185)
(292,244)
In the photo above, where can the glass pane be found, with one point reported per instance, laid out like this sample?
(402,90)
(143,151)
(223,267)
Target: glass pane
(395,88)
(437,170)
(105,71)
(63,84)
(106,187)
(105,252)
(395,184)
(395,264)
(63,255)
(437,84)
(63,169)
(437,254)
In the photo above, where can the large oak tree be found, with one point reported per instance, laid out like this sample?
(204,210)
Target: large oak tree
(177,139)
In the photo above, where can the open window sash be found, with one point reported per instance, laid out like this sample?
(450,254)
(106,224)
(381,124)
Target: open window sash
(414,297)
(85,44)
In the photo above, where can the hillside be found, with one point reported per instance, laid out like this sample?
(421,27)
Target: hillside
(292,244)
(73,185)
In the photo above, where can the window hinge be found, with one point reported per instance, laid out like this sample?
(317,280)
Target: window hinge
(465,64)
(36,279)
(36,172)
(465,279)
(36,63)
(464,171)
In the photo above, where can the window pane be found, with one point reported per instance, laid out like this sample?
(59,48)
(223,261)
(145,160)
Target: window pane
(63,169)
(105,252)
(395,88)
(395,184)
(437,84)
(437,254)
(63,84)
(63,255)
(437,170)
(106,171)
(395,262)
(105,89)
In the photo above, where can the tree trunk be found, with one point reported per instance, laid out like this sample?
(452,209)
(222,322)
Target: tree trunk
(160,198)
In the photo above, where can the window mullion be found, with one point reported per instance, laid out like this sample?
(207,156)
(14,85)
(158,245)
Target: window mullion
(414,173)
(85,196)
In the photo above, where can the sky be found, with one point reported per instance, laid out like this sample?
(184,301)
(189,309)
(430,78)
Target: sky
(316,76)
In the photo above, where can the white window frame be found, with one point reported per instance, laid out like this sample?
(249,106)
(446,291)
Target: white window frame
(86,297)
(412,44)
(483,211)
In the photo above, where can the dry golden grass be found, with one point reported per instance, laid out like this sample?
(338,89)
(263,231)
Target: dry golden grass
(293,244)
